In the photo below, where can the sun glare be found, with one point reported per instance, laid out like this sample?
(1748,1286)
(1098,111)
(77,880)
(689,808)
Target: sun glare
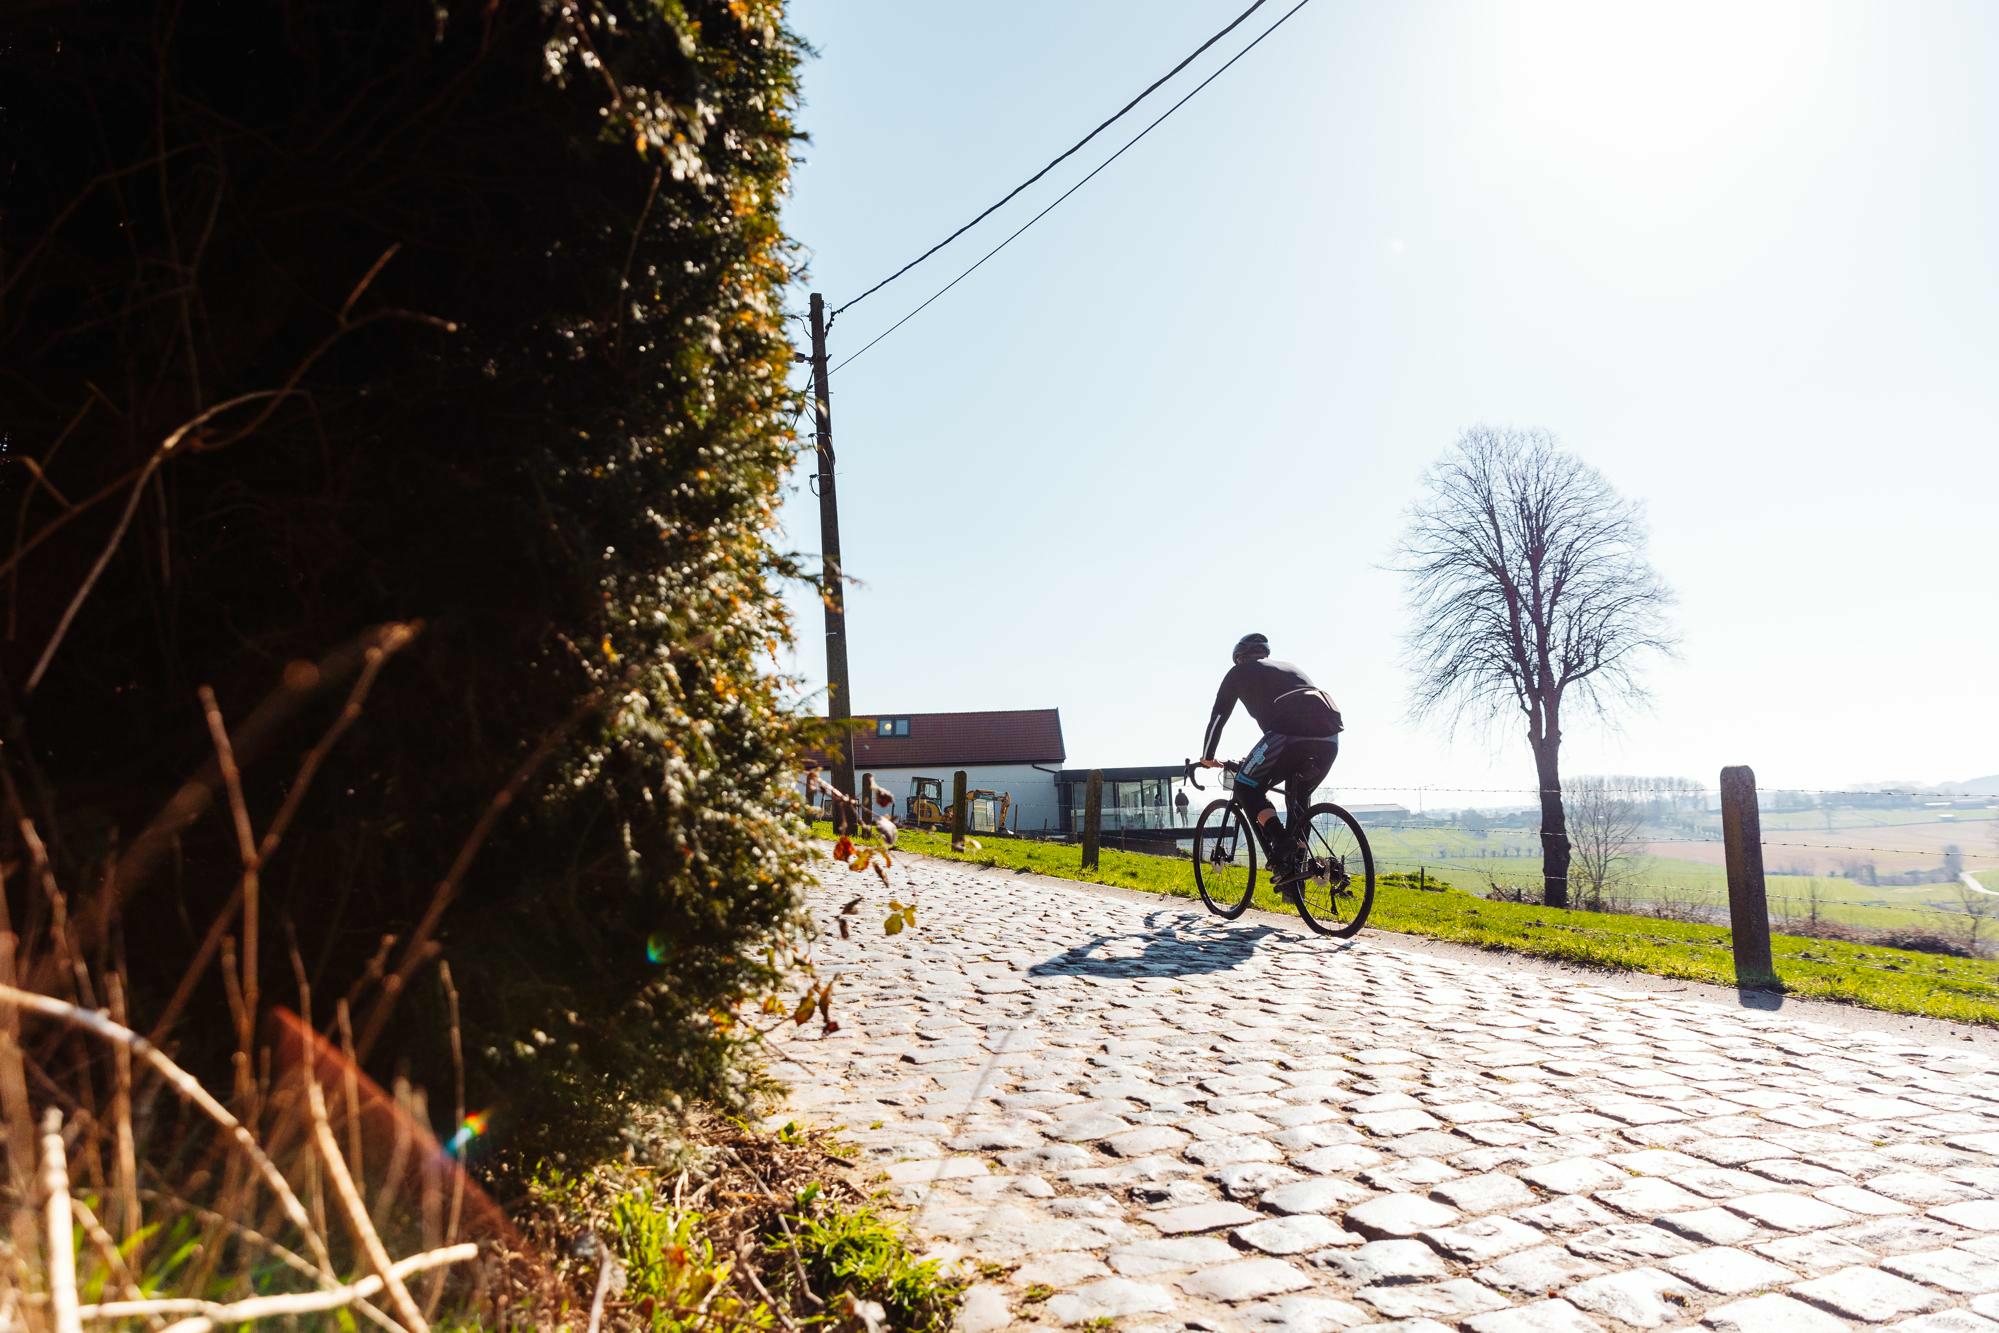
(1649,84)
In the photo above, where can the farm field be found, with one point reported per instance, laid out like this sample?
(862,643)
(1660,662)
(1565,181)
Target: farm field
(1915,844)
(1815,820)
(1688,872)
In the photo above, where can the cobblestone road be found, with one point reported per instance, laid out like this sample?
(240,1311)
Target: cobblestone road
(1131,1115)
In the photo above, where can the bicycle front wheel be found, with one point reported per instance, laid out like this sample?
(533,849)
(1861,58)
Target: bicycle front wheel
(1224,859)
(1337,891)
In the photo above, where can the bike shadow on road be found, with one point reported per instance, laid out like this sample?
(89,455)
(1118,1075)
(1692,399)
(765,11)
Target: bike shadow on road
(1169,946)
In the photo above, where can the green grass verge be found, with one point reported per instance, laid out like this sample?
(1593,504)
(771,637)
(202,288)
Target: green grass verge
(824,1248)
(1896,980)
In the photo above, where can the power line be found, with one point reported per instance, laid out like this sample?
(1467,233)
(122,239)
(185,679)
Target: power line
(1073,188)
(1063,157)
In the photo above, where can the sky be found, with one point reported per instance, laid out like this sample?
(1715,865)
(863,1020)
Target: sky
(1739,257)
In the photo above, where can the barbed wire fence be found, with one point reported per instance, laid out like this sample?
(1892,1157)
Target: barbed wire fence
(1808,900)
(1818,902)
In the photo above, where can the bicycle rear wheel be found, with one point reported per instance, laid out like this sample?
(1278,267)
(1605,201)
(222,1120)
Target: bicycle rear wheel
(1337,891)
(1224,859)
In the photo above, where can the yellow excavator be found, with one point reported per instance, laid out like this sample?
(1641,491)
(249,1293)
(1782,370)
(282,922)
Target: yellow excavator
(985,811)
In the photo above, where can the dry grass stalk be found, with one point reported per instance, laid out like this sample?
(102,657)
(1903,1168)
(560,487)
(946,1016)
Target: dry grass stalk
(302,681)
(201,442)
(391,639)
(15,1112)
(399,1152)
(107,1249)
(457,1206)
(357,1213)
(207,1315)
(190,1089)
(350,1084)
(61,1258)
(246,845)
(419,948)
(139,478)
(126,1148)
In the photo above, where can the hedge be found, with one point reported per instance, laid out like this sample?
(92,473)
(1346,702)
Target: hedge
(465,316)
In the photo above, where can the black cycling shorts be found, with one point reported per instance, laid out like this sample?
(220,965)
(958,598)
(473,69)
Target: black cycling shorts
(1300,763)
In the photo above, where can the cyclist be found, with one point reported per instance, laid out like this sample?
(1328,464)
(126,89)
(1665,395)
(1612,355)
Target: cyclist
(1301,739)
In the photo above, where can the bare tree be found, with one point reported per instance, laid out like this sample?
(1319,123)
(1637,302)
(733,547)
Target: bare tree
(1528,580)
(1980,907)
(1605,834)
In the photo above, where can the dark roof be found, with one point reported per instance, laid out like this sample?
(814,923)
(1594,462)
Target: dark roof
(1125,774)
(937,740)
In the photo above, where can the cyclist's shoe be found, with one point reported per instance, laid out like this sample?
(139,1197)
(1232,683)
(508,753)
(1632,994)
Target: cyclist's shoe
(1286,865)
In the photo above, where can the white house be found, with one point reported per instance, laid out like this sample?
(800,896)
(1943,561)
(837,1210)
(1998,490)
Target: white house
(1017,752)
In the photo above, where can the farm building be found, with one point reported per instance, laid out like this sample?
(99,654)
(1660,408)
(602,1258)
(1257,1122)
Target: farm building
(1017,753)
(1379,813)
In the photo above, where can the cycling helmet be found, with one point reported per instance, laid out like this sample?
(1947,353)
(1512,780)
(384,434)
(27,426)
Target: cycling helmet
(1251,645)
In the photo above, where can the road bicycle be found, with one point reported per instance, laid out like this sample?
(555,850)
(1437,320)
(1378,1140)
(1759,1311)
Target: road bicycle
(1334,887)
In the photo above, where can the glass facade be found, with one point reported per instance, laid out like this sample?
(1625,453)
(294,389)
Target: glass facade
(1138,803)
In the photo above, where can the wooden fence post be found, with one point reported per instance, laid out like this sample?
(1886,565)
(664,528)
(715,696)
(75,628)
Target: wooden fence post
(867,802)
(958,811)
(1093,817)
(1748,906)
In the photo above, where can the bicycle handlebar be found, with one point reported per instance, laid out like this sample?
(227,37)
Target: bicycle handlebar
(1193,767)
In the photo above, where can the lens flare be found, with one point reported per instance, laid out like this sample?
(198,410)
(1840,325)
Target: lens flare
(656,948)
(474,1127)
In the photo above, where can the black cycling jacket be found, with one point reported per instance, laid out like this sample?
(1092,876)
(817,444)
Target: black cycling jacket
(1279,696)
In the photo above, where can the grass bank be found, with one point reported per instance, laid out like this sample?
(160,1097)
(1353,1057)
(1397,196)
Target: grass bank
(1895,980)
(749,1230)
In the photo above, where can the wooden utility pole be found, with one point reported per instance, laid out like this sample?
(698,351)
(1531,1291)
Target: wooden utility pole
(833,592)
(1748,908)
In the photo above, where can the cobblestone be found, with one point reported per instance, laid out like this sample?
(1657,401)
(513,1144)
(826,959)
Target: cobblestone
(1729,1272)
(1955,1269)
(1867,1294)
(1246,1280)
(1394,1215)
(1540,1317)
(1482,1239)
(1172,1255)
(1641,1297)
(1773,1313)
(1542,1269)
(1297,1234)
(1449,1300)
(1169,1122)
(1388,1261)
